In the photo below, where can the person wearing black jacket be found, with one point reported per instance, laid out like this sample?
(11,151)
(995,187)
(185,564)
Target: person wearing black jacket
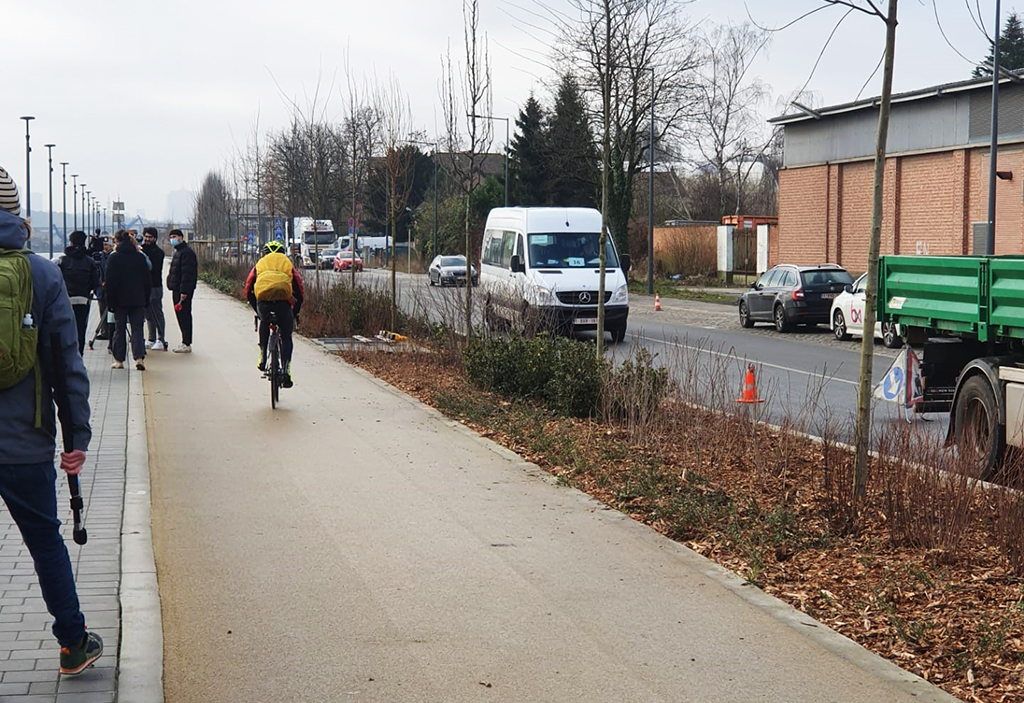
(82,280)
(155,311)
(127,289)
(104,330)
(182,278)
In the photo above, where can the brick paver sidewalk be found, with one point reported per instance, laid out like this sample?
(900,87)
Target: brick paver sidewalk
(29,656)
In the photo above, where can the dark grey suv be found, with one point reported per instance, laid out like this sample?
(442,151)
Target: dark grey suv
(789,295)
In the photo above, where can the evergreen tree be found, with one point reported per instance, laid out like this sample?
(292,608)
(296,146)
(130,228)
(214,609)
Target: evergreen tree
(527,157)
(1011,48)
(573,162)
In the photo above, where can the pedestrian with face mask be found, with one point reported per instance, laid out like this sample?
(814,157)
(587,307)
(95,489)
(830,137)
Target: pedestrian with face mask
(82,279)
(182,278)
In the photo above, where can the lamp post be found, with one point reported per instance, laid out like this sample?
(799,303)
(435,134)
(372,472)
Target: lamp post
(64,207)
(49,154)
(85,224)
(492,117)
(28,167)
(74,198)
(87,209)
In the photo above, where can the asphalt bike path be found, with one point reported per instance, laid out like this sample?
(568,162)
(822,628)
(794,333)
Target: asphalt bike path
(355,545)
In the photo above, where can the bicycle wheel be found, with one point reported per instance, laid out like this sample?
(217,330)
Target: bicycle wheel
(275,370)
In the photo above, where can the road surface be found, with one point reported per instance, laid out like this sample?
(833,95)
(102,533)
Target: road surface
(809,378)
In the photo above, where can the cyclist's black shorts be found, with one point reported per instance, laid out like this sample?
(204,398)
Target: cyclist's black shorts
(283,311)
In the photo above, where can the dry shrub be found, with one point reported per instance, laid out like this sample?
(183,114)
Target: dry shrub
(927,494)
(1008,502)
(633,394)
(690,255)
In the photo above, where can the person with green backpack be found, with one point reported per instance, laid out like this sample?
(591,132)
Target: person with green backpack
(38,335)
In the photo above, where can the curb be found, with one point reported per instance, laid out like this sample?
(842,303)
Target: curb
(140,658)
(822,635)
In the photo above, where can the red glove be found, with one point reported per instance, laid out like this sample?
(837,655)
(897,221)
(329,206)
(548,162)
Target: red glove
(72,462)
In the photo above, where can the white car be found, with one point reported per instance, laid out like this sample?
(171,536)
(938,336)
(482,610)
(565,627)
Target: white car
(846,319)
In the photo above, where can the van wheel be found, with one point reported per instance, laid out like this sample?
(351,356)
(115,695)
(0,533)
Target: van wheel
(979,436)
(618,333)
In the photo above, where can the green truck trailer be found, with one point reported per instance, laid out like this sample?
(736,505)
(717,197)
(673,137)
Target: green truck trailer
(968,312)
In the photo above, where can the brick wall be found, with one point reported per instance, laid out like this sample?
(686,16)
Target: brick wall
(929,202)
(802,215)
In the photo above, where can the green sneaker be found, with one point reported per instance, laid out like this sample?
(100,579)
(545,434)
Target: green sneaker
(75,660)
(261,362)
(287,381)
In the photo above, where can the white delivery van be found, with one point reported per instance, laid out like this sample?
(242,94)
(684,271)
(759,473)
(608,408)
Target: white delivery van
(540,266)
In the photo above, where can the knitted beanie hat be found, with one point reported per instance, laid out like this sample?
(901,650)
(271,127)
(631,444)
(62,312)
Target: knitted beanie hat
(8,194)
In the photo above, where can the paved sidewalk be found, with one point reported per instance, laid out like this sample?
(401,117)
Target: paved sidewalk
(29,655)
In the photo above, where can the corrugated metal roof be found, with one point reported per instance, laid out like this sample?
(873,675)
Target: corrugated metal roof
(920,94)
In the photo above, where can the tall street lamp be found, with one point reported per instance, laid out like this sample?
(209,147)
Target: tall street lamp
(492,117)
(74,198)
(28,168)
(49,154)
(64,207)
(85,224)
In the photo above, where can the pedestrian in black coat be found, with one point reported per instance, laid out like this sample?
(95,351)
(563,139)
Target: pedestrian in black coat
(127,287)
(82,280)
(182,278)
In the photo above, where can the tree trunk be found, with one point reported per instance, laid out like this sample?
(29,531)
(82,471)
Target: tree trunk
(863,432)
(394,288)
(602,240)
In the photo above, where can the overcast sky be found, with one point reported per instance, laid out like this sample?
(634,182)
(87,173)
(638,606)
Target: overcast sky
(142,98)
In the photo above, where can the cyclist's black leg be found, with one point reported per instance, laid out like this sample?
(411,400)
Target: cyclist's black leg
(286,323)
(262,309)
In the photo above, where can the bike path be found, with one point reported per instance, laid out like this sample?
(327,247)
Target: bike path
(356,545)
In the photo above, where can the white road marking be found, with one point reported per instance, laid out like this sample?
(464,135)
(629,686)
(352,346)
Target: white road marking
(732,355)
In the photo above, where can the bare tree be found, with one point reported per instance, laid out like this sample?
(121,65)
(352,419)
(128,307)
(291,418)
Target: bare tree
(395,131)
(728,131)
(475,100)
(362,129)
(212,208)
(646,37)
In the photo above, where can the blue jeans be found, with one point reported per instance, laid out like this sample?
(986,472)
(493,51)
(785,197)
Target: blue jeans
(29,490)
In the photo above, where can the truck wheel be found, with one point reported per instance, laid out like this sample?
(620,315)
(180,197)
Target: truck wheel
(839,326)
(979,436)
(781,323)
(891,336)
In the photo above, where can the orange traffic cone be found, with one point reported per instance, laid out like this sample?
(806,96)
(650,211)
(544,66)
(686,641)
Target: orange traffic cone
(749,388)
(657,303)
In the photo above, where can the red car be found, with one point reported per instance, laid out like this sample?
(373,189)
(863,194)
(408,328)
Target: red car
(343,261)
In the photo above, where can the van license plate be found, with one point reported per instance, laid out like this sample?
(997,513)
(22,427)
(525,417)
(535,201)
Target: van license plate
(585,321)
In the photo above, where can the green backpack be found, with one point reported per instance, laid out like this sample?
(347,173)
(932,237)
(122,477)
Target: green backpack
(18,342)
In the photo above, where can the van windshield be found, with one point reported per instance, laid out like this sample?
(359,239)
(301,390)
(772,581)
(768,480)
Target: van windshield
(569,250)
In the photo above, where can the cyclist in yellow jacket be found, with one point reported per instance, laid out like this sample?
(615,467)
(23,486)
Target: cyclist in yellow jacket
(275,286)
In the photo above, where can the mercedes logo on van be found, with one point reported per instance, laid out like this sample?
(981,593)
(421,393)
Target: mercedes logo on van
(584,297)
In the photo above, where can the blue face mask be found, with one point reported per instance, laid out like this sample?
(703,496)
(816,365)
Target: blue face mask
(175,242)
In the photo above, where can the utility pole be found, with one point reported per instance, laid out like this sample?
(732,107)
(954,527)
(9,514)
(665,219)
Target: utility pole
(994,143)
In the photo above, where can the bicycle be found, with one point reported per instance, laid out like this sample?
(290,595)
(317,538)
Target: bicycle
(275,371)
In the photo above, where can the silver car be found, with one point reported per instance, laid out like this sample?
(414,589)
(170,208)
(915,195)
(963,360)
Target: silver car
(451,271)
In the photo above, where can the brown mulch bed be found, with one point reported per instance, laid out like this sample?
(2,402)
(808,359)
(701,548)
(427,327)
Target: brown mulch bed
(764,504)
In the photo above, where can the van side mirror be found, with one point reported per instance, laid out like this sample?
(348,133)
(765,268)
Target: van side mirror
(626,262)
(516,264)
(848,288)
